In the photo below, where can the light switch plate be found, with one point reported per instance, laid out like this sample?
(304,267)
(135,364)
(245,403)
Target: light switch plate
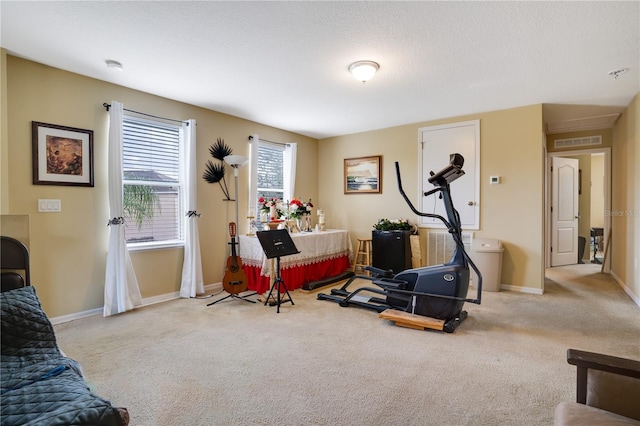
(49,206)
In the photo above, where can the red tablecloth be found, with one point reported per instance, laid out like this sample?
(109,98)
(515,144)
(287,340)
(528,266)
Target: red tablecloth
(322,255)
(296,276)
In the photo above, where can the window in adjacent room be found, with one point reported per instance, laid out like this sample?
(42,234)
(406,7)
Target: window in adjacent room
(152,183)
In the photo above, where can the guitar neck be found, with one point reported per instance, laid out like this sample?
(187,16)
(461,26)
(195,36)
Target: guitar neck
(232,234)
(233,246)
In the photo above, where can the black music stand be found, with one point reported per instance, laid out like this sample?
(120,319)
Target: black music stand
(277,243)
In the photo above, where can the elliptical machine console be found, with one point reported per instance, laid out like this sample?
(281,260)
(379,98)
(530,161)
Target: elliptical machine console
(438,291)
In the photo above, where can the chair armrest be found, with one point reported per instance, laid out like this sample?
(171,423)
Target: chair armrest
(590,360)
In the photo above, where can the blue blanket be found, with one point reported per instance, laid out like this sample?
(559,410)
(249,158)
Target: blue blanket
(40,386)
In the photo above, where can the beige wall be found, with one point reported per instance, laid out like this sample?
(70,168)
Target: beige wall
(607,139)
(584,198)
(68,249)
(4,138)
(592,166)
(510,146)
(597,191)
(625,199)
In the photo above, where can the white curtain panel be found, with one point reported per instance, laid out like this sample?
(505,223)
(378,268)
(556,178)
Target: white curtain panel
(254,140)
(121,291)
(289,170)
(192,281)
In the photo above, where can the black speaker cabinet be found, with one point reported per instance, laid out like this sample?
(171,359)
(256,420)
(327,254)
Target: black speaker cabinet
(391,250)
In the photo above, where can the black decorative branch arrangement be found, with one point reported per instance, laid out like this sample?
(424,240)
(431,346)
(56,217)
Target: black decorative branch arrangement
(214,173)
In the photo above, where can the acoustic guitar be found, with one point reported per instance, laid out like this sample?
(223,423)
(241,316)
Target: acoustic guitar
(234,280)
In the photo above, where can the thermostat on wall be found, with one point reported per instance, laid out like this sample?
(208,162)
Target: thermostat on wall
(494,180)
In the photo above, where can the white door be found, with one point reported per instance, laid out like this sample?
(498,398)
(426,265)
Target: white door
(564,211)
(437,143)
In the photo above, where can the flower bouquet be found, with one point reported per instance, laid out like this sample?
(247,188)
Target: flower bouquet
(301,210)
(298,209)
(271,206)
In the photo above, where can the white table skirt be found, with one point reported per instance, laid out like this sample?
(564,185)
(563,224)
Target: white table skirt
(314,247)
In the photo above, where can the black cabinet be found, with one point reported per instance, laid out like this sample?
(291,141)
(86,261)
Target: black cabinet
(391,250)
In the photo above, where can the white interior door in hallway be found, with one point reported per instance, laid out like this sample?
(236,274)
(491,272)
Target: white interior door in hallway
(564,211)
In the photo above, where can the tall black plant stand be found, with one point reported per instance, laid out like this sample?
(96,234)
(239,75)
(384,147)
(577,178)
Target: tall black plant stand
(276,244)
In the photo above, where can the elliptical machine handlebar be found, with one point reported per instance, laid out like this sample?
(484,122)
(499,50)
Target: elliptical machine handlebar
(441,180)
(413,209)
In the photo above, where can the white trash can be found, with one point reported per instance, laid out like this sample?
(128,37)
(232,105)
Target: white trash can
(486,253)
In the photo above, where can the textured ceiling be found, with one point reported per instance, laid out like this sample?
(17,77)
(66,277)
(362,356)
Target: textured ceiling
(284,64)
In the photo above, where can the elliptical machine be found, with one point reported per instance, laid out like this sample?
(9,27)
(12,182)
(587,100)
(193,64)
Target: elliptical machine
(437,291)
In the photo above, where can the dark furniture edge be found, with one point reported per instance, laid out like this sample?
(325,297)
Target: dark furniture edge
(584,361)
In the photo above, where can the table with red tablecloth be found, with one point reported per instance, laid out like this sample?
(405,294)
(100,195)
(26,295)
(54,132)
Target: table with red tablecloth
(323,254)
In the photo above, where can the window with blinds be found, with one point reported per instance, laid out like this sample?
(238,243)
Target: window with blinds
(270,172)
(152,187)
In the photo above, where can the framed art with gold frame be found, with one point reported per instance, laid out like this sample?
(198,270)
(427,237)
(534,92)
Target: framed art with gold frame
(363,175)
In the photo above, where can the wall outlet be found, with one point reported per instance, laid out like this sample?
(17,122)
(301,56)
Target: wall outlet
(495,180)
(49,206)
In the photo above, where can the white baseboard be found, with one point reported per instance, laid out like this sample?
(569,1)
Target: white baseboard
(516,288)
(626,289)
(213,287)
(520,289)
(160,298)
(77,315)
(145,302)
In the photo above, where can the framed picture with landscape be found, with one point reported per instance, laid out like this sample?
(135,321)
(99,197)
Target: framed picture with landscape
(363,175)
(61,155)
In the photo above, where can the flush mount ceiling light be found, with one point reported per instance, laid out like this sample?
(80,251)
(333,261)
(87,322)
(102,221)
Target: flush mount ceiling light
(616,73)
(113,65)
(364,70)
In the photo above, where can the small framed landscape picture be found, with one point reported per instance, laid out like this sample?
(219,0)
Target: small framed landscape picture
(61,155)
(363,175)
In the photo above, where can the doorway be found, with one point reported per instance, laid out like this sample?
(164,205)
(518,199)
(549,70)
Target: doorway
(594,194)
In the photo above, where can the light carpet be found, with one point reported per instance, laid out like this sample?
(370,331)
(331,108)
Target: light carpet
(316,363)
